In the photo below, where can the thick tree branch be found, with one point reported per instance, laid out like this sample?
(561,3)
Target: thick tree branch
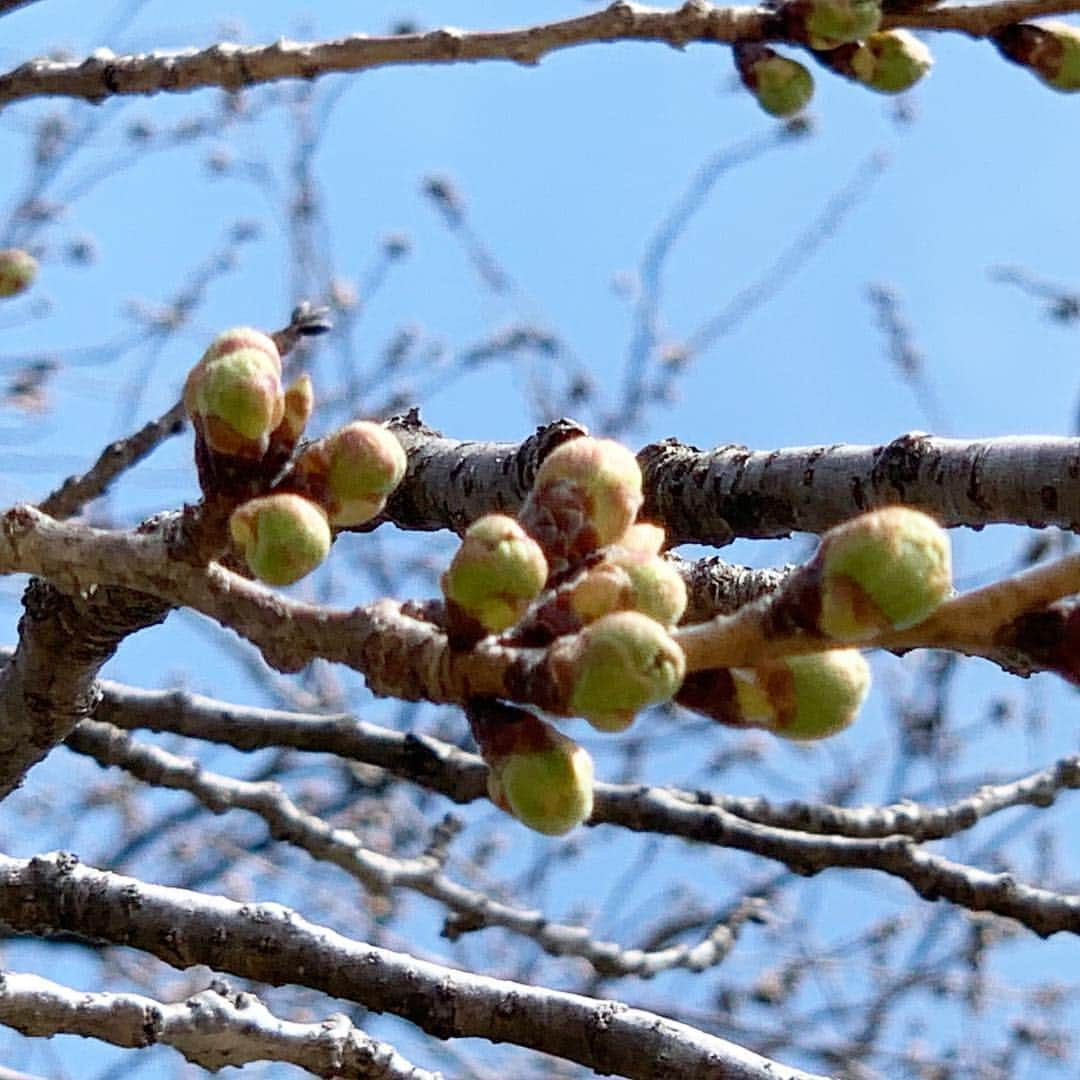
(275,945)
(214,1029)
(232,67)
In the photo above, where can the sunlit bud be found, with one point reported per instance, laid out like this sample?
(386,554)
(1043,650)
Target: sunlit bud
(354,471)
(642,539)
(885,570)
(233,394)
(1050,49)
(299,404)
(797,697)
(283,537)
(497,572)
(783,87)
(891,61)
(18,269)
(615,667)
(827,24)
(586,495)
(626,581)
(541,777)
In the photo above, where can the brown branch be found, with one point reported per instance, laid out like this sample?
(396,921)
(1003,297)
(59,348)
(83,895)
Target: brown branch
(8,6)
(104,74)
(275,945)
(214,1029)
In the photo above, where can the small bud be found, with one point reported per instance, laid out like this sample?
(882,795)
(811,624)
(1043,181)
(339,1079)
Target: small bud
(891,61)
(1051,50)
(18,269)
(233,394)
(627,581)
(796,697)
(541,777)
(586,495)
(299,405)
(284,537)
(827,24)
(497,572)
(354,471)
(885,570)
(643,539)
(782,87)
(615,667)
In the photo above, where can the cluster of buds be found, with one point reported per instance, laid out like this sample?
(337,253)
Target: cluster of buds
(1051,50)
(248,425)
(782,87)
(18,269)
(889,61)
(883,571)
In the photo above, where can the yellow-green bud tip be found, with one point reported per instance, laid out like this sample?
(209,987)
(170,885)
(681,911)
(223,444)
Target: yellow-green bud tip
(607,477)
(831,23)
(496,573)
(549,790)
(617,666)
(804,697)
(891,61)
(18,269)
(1049,49)
(783,87)
(888,569)
(283,537)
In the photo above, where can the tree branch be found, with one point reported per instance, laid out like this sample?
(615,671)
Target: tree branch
(214,1029)
(105,75)
(275,945)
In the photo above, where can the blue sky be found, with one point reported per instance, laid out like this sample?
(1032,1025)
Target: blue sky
(567,169)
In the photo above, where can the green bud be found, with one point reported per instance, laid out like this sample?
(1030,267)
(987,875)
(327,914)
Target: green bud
(890,61)
(885,570)
(830,23)
(1051,50)
(803,697)
(284,537)
(355,470)
(497,572)
(547,785)
(598,479)
(233,394)
(627,581)
(783,87)
(615,667)
(18,269)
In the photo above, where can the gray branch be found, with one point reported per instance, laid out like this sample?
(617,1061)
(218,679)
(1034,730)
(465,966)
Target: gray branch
(275,945)
(379,873)
(213,1029)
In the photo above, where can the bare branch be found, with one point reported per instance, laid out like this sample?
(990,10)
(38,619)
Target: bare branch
(275,945)
(230,66)
(213,1029)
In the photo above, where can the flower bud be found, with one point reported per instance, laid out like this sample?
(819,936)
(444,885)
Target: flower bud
(615,667)
(586,495)
(299,404)
(885,570)
(284,537)
(233,394)
(353,471)
(1051,50)
(796,697)
(827,24)
(626,581)
(497,572)
(890,61)
(18,269)
(541,777)
(783,87)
